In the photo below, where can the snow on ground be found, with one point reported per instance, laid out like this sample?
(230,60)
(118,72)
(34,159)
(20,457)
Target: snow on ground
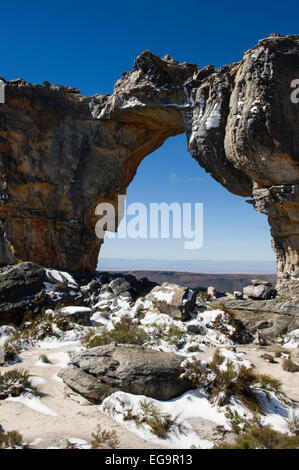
(33,402)
(35,381)
(181,435)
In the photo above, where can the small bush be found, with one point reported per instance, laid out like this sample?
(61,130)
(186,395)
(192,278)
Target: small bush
(10,351)
(290,366)
(13,383)
(223,383)
(10,439)
(125,332)
(102,437)
(203,296)
(173,335)
(254,435)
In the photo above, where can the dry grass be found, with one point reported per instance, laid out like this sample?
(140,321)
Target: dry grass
(44,358)
(103,438)
(13,383)
(10,439)
(254,435)
(158,422)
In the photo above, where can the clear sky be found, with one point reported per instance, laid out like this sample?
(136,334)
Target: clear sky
(89,44)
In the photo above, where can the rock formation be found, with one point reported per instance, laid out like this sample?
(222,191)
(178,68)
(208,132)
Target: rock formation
(63,153)
(142,371)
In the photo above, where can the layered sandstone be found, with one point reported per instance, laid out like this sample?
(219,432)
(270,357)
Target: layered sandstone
(63,153)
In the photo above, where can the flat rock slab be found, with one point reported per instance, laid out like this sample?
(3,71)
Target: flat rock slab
(100,371)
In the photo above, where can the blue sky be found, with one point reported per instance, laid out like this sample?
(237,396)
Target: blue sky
(89,44)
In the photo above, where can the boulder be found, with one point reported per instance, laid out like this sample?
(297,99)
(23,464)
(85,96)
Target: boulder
(18,284)
(99,371)
(212,292)
(173,300)
(119,285)
(259,292)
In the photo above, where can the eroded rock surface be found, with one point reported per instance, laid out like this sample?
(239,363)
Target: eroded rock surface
(142,371)
(63,153)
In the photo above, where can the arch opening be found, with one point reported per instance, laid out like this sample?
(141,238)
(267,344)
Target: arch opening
(236,238)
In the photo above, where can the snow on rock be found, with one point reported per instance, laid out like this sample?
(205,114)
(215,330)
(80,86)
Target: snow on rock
(291,340)
(61,276)
(72,310)
(6,332)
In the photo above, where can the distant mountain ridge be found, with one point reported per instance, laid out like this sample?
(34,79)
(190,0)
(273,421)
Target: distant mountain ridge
(222,282)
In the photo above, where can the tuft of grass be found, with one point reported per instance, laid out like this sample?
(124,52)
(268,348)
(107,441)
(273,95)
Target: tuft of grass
(10,439)
(125,332)
(13,383)
(10,351)
(267,383)
(44,358)
(269,358)
(102,438)
(159,423)
(290,366)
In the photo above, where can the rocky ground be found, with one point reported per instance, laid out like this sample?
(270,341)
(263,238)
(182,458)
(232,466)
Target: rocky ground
(108,350)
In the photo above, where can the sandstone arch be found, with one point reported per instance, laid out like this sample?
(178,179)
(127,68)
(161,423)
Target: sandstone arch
(62,153)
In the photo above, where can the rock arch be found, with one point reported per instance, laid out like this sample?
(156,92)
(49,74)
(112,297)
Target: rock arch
(63,153)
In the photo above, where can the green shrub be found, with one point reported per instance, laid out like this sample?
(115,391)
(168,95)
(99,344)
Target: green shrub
(13,383)
(230,381)
(125,332)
